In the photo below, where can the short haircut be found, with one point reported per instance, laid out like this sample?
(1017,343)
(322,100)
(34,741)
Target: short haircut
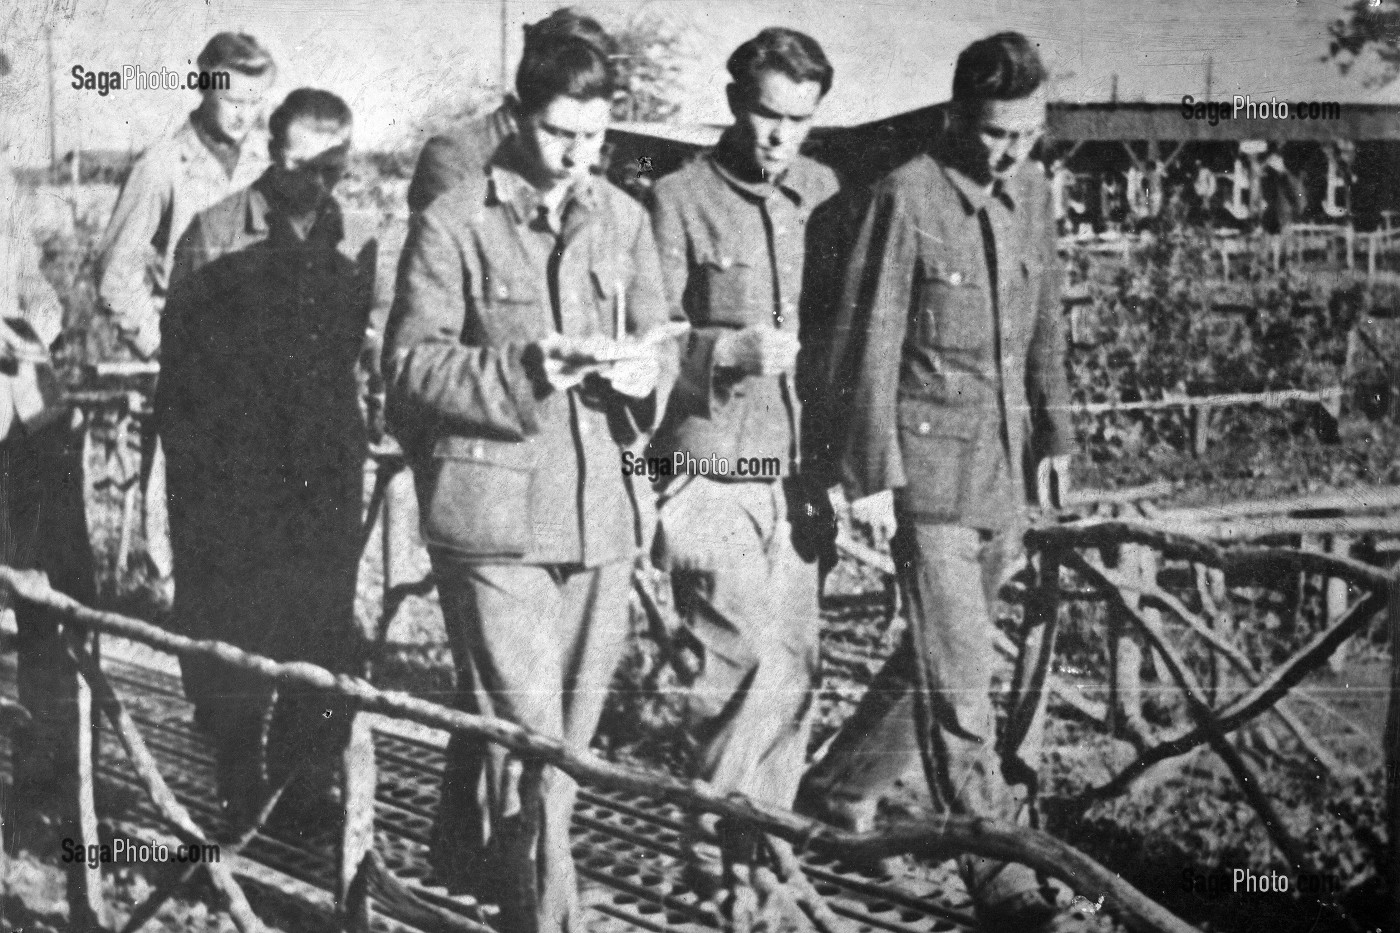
(560,63)
(567,21)
(236,51)
(306,103)
(785,51)
(1005,66)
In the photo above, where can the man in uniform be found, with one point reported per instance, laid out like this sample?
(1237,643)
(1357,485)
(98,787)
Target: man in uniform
(948,362)
(739,540)
(213,154)
(518,367)
(258,405)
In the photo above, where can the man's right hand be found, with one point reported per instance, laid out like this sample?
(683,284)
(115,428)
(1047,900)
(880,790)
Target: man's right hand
(758,351)
(877,511)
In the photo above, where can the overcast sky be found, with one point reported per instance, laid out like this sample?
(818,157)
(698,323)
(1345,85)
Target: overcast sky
(396,62)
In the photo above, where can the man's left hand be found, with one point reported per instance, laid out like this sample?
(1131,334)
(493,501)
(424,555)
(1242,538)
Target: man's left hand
(1052,481)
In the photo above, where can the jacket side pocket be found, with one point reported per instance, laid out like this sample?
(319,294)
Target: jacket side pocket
(478,497)
(937,445)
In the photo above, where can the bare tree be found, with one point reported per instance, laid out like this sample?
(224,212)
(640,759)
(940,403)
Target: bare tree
(650,52)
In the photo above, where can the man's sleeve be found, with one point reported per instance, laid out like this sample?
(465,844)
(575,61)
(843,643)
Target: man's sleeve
(1047,385)
(440,166)
(696,381)
(129,248)
(431,377)
(867,344)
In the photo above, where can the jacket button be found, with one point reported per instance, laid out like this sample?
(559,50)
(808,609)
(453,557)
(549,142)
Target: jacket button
(502,292)
(955,278)
(725,262)
(478,450)
(925,428)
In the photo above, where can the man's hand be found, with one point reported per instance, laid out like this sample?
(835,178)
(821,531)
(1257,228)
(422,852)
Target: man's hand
(877,511)
(758,351)
(565,361)
(635,378)
(1052,481)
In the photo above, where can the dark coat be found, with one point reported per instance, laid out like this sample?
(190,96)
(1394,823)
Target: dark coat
(914,367)
(258,401)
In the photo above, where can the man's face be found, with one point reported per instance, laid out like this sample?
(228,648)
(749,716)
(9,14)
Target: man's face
(564,140)
(1003,132)
(236,109)
(774,122)
(311,162)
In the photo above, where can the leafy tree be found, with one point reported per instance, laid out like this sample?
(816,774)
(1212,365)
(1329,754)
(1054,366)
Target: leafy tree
(1370,26)
(650,52)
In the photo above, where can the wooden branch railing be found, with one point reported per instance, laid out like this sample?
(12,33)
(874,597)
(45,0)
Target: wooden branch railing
(933,838)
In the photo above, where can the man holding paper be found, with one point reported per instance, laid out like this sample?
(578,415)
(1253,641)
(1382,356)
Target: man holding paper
(732,228)
(524,352)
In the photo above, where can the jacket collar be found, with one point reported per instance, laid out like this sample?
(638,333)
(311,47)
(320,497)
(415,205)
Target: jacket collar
(508,186)
(976,197)
(796,184)
(263,203)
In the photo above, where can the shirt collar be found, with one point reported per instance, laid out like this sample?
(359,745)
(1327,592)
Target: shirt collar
(509,187)
(263,203)
(726,156)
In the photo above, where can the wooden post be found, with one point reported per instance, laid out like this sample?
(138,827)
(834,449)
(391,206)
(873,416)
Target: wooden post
(1392,751)
(1336,599)
(1200,428)
(358,780)
(1125,698)
(397,530)
(86,909)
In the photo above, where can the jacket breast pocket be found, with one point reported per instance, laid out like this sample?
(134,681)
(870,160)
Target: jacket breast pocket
(478,497)
(937,446)
(729,283)
(953,311)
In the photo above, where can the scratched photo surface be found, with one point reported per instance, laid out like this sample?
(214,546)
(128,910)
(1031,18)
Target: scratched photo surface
(883,511)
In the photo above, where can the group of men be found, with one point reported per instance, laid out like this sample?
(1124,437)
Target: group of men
(543,324)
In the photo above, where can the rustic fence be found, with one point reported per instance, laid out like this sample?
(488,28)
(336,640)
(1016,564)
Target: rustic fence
(1064,552)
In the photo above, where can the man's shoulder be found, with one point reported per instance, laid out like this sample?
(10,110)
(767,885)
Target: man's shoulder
(694,178)
(817,181)
(624,208)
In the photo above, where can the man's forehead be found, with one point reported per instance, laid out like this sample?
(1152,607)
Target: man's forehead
(1024,112)
(246,87)
(309,137)
(778,93)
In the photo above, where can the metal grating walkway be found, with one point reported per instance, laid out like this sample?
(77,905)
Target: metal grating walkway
(629,849)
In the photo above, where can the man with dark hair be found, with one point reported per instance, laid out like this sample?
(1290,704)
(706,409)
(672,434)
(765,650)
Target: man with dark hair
(520,360)
(212,155)
(258,406)
(948,364)
(447,159)
(740,541)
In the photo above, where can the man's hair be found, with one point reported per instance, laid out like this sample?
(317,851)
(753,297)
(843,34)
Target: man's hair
(1005,66)
(785,51)
(567,21)
(235,51)
(306,103)
(566,55)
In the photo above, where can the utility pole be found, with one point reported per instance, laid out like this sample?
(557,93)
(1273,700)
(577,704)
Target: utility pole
(1210,68)
(53,138)
(505,37)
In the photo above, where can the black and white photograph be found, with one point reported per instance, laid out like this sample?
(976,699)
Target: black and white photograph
(699,466)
